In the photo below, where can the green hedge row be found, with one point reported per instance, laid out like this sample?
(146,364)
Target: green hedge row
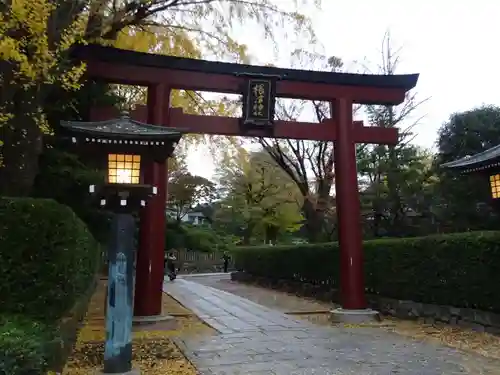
(48,260)
(25,346)
(66,179)
(461,270)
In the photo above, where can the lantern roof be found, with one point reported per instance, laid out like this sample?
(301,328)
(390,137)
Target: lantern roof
(122,127)
(121,135)
(484,160)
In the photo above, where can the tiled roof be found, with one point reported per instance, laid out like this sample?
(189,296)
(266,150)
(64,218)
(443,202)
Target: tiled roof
(482,160)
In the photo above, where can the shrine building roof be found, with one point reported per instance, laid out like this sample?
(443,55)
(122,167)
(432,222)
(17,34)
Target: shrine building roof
(484,160)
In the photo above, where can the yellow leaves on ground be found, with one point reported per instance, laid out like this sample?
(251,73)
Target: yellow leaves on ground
(154,352)
(456,337)
(151,356)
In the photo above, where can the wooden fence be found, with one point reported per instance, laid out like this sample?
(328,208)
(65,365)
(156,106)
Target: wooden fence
(199,262)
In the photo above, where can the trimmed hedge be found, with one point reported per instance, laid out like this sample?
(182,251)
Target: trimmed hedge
(65,178)
(461,270)
(48,258)
(48,261)
(25,346)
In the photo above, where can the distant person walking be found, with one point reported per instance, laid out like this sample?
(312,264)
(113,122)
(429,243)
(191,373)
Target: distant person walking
(170,265)
(226,258)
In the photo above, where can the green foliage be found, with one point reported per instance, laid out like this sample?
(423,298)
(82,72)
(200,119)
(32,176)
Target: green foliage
(195,237)
(186,191)
(465,199)
(259,196)
(397,190)
(48,258)
(24,346)
(461,270)
(64,178)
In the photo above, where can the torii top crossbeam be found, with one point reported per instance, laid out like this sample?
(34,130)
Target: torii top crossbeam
(114,65)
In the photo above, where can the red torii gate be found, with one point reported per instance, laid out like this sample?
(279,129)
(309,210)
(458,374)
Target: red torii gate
(160,74)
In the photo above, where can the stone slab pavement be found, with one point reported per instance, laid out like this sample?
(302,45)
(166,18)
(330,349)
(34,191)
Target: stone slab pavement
(277,300)
(258,340)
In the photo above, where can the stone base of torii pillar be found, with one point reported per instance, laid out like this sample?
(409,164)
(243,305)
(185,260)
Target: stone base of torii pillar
(354,316)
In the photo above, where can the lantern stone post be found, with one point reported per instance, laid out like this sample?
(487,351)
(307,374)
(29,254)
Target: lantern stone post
(123,145)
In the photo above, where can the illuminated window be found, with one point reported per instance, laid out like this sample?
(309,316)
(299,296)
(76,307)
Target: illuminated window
(124,169)
(495,186)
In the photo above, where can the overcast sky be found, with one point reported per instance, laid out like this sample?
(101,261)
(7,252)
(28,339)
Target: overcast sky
(453,45)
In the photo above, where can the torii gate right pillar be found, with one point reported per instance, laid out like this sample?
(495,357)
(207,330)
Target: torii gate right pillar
(348,209)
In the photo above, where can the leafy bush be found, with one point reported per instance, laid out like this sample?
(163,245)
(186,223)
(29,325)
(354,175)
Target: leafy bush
(194,237)
(64,178)
(25,346)
(48,258)
(461,270)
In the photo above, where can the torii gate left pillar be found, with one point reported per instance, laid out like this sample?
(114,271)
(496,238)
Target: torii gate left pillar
(150,256)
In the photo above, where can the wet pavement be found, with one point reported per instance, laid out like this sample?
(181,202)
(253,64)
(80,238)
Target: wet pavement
(255,339)
(275,299)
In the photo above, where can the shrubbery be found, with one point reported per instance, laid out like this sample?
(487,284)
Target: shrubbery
(461,270)
(25,346)
(194,237)
(66,179)
(48,260)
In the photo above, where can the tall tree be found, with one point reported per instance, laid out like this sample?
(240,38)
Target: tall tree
(186,191)
(415,193)
(34,40)
(308,163)
(386,168)
(36,37)
(259,195)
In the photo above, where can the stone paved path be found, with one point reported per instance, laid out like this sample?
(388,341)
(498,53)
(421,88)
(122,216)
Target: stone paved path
(257,340)
(278,300)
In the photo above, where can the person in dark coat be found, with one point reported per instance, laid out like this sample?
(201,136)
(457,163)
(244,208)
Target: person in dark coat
(170,263)
(226,258)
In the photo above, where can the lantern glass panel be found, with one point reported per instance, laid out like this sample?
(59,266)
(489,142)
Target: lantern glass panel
(124,169)
(495,186)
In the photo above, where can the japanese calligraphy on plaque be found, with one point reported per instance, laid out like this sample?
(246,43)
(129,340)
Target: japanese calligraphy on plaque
(259,100)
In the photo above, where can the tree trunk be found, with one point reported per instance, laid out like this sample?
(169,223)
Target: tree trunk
(397,222)
(21,149)
(247,234)
(313,223)
(271,235)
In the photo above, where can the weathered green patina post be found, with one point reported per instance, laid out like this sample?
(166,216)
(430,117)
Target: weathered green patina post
(123,144)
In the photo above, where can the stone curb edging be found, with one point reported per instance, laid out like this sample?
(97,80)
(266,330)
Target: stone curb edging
(477,320)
